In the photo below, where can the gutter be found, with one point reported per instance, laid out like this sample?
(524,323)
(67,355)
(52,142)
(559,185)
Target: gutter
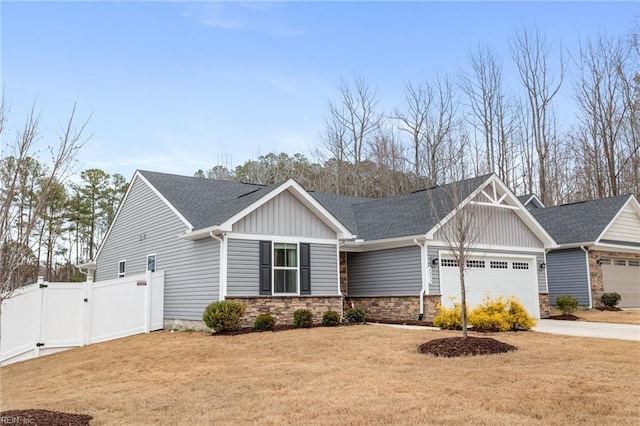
(222,288)
(423,290)
(586,252)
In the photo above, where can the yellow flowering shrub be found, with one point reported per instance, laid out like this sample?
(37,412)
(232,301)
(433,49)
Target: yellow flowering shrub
(449,318)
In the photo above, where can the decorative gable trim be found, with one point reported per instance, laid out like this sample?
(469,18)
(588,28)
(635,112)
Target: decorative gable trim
(137,175)
(631,202)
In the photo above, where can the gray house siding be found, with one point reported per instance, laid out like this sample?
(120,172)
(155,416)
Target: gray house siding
(500,227)
(432,252)
(284,215)
(567,274)
(390,272)
(145,225)
(243,268)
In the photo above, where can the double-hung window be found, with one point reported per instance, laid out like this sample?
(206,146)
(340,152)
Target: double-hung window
(285,268)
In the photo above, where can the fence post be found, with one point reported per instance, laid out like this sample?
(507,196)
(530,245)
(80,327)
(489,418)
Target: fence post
(88,304)
(147,303)
(39,318)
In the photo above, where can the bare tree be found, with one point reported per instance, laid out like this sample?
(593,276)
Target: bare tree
(531,54)
(419,99)
(15,158)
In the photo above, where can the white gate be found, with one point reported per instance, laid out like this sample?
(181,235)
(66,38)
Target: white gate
(45,318)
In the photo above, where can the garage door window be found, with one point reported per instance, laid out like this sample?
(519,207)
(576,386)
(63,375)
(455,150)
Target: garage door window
(634,263)
(451,263)
(619,262)
(605,261)
(520,265)
(498,264)
(475,263)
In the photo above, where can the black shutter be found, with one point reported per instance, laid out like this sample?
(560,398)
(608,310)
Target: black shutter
(305,268)
(265,268)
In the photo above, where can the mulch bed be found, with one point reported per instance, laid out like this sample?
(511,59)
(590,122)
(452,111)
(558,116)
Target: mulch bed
(460,346)
(43,418)
(564,317)
(403,322)
(608,308)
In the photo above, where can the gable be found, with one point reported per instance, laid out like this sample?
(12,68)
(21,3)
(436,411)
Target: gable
(625,227)
(284,215)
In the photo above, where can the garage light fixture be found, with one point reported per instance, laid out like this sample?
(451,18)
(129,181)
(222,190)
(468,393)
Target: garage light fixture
(435,261)
(543,265)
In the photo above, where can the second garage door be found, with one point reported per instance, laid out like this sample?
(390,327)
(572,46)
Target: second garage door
(492,276)
(622,276)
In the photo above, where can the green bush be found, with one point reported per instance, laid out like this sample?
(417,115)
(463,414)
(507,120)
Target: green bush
(449,318)
(224,315)
(610,300)
(302,318)
(566,303)
(264,322)
(355,315)
(331,318)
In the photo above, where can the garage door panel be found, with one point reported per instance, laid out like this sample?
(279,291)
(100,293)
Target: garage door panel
(622,276)
(494,277)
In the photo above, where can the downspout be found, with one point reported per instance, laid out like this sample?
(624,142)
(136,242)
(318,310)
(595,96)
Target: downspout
(586,253)
(223,265)
(423,271)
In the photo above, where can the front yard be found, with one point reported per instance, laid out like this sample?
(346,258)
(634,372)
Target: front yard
(347,375)
(594,315)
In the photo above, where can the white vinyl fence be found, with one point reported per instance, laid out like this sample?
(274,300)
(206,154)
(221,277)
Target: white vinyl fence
(45,318)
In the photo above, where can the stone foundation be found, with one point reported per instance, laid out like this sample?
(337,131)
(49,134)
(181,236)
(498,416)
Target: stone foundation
(343,273)
(595,269)
(396,308)
(545,309)
(282,308)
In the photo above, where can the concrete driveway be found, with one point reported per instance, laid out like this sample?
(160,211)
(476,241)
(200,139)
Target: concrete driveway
(589,329)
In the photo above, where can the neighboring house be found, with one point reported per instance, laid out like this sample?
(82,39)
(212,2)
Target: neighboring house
(279,248)
(599,249)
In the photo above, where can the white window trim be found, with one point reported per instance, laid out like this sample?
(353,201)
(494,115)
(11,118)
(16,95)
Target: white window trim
(155,262)
(284,268)
(122,274)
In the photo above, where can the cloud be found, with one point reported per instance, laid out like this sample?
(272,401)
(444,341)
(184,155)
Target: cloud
(261,17)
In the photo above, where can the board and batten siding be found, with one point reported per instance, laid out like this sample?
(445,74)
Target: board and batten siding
(625,228)
(567,274)
(390,272)
(432,253)
(243,268)
(284,215)
(146,225)
(500,226)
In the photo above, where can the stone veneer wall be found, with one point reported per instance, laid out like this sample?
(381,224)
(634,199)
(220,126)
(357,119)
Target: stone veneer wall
(397,308)
(282,308)
(595,269)
(343,273)
(545,309)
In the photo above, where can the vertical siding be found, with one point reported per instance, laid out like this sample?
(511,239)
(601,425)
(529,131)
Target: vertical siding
(500,227)
(391,272)
(243,271)
(284,215)
(432,252)
(625,228)
(243,267)
(567,274)
(145,225)
(324,269)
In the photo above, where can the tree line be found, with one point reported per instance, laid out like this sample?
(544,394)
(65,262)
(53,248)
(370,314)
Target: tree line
(473,122)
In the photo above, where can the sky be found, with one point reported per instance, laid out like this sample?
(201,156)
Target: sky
(180,86)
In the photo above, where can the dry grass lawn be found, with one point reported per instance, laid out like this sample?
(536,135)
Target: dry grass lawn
(348,375)
(594,315)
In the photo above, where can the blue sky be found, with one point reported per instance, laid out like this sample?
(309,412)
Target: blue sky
(181,86)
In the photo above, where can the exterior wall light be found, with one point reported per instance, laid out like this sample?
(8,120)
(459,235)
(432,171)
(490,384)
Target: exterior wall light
(435,261)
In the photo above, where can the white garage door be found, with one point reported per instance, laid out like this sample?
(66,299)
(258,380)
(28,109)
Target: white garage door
(622,276)
(492,276)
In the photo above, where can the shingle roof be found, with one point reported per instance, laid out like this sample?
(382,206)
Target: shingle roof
(579,222)
(207,202)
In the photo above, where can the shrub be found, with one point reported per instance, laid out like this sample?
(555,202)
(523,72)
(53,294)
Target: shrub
(610,300)
(566,303)
(224,315)
(302,318)
(500,315)
(264,322)
(355,315)
(449,318)
(519,319)
(331,318)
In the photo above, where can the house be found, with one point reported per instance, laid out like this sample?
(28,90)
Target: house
(279,248)
(599,249)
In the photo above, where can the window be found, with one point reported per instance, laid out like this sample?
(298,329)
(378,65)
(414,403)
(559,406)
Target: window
(619,262)
(605,261)
(453,263)
(151,262)
(520,265)
(122,268)
(498,264)
(475,263)
(285,268)
(634,263)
